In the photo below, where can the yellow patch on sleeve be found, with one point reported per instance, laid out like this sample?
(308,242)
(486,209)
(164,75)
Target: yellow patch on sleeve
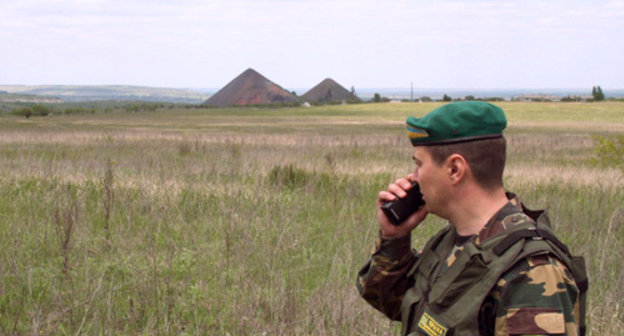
(430,326)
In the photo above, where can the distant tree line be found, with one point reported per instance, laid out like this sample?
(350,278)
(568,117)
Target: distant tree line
(377,98)
(41,110)
(597,95)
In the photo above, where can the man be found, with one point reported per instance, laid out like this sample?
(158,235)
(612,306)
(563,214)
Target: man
(496,268)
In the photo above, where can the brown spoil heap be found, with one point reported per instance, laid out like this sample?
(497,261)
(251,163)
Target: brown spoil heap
(250,88)
(328,91)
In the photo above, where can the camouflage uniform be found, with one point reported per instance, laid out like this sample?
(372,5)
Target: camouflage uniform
(536,295)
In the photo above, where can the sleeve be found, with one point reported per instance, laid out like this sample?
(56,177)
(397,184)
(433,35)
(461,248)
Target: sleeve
(382,281)
(537,296)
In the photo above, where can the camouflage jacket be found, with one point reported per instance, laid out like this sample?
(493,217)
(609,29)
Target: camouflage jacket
(526,299)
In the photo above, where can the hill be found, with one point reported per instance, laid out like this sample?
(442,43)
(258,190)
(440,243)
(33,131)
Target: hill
(6,97)
(328,91)
(250,88)
(79,93)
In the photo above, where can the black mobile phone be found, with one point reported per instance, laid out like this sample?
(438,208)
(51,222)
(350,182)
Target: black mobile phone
(398,210)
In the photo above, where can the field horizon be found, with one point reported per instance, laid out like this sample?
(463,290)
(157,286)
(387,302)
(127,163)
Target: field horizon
(197,95)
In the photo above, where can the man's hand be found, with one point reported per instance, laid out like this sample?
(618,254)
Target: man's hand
(398,189)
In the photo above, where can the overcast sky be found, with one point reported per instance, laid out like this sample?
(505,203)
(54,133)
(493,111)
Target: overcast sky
(204,43)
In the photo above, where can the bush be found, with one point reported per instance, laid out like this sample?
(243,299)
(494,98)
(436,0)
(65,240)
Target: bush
(570,99)
(288,176)
(24,112)
(609,150)
(79,110)
(35,110)
(40,110)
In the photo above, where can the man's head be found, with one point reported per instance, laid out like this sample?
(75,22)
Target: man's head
(486,159)
(472,130)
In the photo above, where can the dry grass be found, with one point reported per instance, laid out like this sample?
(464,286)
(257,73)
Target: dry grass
(229,222)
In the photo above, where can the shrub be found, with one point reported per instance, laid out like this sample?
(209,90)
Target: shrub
(25,112)
(40,110)
(609,150)
(288,176)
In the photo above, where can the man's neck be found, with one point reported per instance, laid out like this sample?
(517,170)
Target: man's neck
(474,212)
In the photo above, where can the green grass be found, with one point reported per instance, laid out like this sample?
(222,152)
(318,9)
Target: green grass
(255,221)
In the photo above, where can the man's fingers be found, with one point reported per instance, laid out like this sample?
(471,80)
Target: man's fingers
(385,196)
(403,183)
(400,187)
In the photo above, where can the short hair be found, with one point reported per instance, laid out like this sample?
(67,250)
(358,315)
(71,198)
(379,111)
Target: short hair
(486,159)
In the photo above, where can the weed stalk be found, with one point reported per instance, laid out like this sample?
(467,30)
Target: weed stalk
(107,199)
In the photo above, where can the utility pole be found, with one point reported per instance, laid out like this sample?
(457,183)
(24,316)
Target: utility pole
(412,93)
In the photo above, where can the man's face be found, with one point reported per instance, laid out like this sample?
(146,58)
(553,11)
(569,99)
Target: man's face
(433,180)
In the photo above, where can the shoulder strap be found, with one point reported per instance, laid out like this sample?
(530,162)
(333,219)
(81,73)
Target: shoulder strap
(530,232)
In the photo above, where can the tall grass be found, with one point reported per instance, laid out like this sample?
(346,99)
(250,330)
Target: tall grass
(190,226)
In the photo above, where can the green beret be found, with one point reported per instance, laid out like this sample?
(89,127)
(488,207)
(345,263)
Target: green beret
(457,122)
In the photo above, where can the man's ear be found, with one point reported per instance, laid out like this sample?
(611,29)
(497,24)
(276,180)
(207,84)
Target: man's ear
(457,168)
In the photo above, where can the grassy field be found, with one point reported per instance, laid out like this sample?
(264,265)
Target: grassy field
(256,221)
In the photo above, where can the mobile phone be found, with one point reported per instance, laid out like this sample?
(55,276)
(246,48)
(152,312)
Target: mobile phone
(398,210)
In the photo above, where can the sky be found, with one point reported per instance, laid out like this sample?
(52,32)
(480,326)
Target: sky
(478,44)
